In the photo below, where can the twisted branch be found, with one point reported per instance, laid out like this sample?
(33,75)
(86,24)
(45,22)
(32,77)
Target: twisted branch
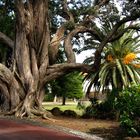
(6,40)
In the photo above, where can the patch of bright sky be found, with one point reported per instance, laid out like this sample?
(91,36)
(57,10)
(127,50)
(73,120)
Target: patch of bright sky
(84,54)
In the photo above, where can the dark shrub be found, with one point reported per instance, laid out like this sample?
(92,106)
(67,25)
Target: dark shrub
(56,111)
(100,109)
(89,112)
(70,113)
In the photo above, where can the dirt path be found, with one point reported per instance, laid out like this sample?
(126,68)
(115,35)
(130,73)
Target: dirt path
(12,130)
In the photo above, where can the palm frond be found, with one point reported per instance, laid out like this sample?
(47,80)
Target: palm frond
(131,73)
(114,78)
(119,66)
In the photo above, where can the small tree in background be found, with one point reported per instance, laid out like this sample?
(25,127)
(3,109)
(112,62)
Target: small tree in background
(68,86)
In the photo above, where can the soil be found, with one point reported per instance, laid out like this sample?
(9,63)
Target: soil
(107,129)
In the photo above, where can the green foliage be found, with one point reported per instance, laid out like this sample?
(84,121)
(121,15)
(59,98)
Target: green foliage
(119,65)
(68,106)
(81,106)
(73,85)
(48,97)
(7,20)
(101,109)
(128,104)
(70,25)
(69,86)
(90,112)
(129,100)
(128,124)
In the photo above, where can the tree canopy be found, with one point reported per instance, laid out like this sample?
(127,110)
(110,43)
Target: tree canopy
(68,86)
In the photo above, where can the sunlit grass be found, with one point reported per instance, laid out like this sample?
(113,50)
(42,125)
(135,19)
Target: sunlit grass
(68,106)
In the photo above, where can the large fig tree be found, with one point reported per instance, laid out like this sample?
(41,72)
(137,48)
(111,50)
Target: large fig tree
(41,28)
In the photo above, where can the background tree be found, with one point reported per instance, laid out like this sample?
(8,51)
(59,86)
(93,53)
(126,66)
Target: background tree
(40,27)
(68,86)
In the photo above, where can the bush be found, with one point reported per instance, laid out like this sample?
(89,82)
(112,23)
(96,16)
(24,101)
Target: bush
(89,112)
(101,109)
(67,113)
(128,104)
(70,113)
(56,111)
(81,105)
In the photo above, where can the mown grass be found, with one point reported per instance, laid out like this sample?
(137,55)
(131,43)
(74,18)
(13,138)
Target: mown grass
(50,106)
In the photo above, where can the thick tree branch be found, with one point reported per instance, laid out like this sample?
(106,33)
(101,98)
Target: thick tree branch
(19,6)
(69,66)
(5,74)
(56,40)
(103,2)
(69,14)
(52,76)
(68,45)
(6,40)
(57,70)
(55,43)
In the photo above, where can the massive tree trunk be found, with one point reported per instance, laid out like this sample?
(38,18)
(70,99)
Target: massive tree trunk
(31,50)
(22,88)
(23,94)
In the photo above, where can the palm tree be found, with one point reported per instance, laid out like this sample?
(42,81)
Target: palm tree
(120,64)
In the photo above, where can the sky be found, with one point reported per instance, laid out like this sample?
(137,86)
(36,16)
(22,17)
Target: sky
(81,57)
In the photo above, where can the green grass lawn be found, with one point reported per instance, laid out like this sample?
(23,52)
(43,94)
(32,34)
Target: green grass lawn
(71,106)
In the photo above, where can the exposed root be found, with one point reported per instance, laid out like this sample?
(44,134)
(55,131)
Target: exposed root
(24,111)
(45,115)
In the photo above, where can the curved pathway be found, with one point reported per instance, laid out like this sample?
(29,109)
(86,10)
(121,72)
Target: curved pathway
(12,130)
